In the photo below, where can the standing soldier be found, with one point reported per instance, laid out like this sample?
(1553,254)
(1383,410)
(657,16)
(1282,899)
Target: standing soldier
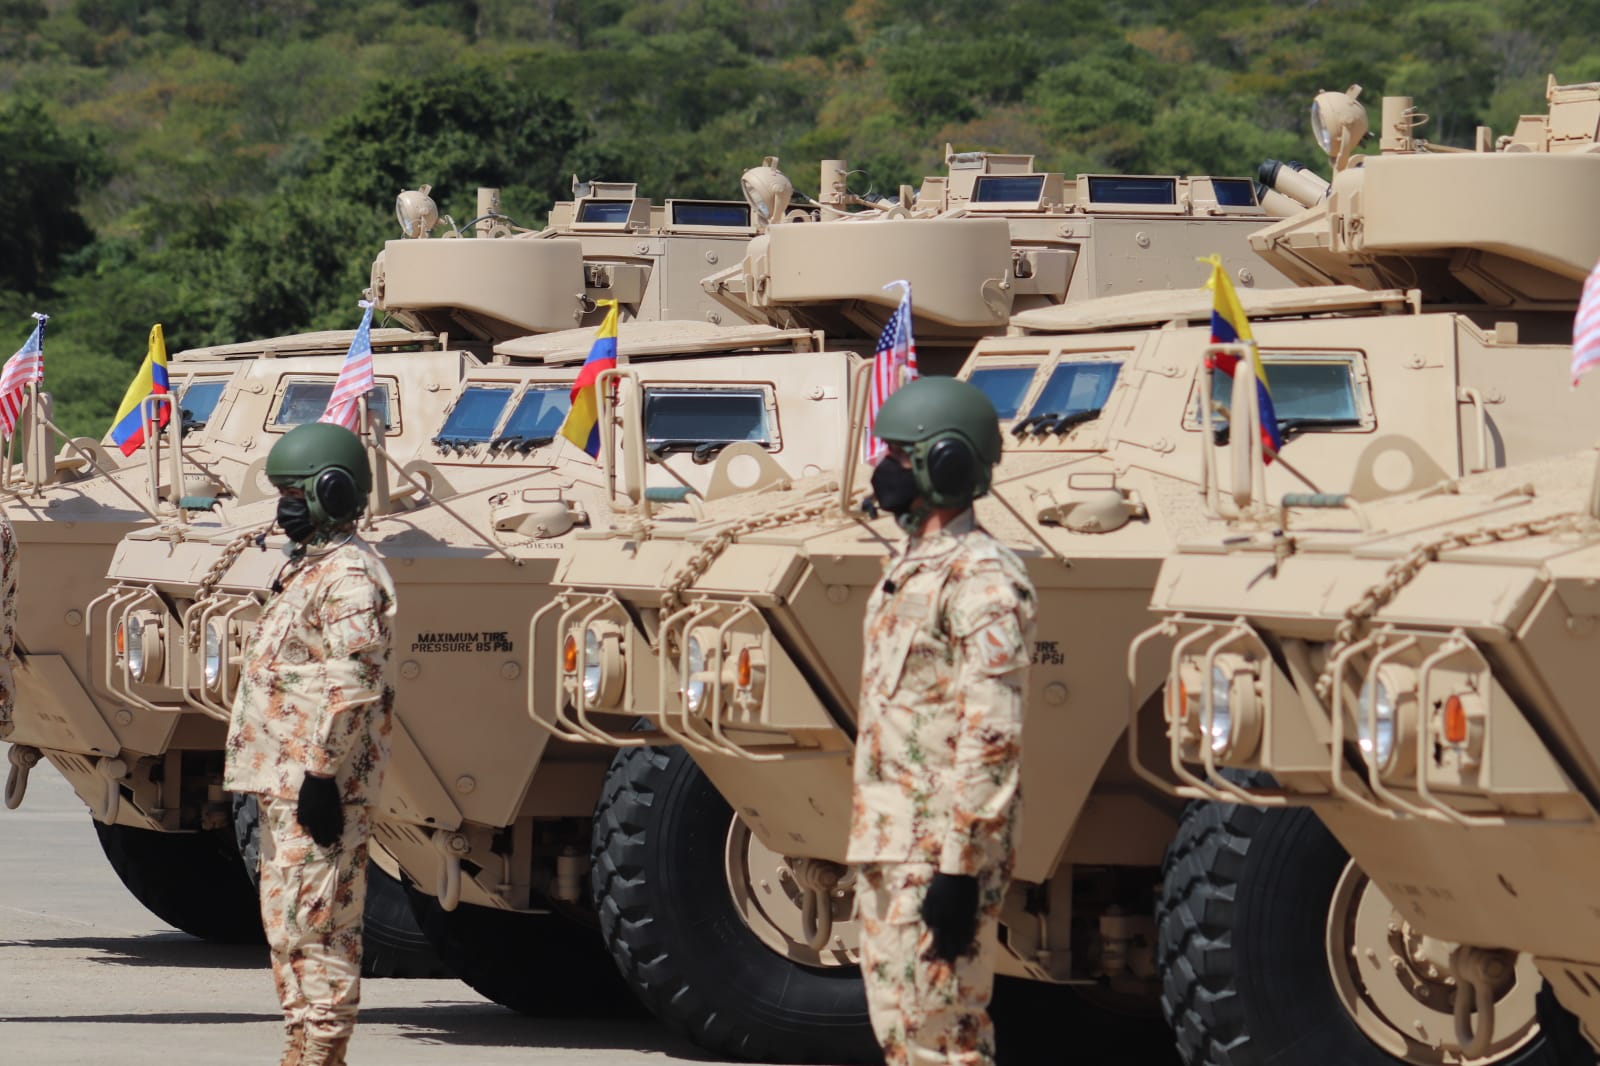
(938,758)
(310,735)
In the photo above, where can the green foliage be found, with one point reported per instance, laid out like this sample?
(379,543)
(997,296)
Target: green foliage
(45,173)
(229,169)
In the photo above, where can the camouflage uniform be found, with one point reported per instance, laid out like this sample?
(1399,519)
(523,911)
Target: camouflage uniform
(315,695)
(937,774)
(8,620)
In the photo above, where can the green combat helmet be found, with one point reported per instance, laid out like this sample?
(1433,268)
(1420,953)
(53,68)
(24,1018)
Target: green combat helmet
(950,430)
(329,463)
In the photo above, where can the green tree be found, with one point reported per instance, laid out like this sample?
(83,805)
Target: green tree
(46,174)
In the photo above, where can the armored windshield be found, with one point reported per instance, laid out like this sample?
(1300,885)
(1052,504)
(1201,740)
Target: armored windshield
(539,413)
(1307,388)
(304,401)
(689,416)
(198,399)
(476,413)
(1005,386)
(1076,387)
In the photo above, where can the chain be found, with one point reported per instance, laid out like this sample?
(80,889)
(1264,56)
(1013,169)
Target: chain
(1357,616)
(208,583)
(715,545)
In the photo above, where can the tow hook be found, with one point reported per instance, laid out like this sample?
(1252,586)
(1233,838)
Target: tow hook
(1478,972)
(819,881)
(23,759)
(451,846)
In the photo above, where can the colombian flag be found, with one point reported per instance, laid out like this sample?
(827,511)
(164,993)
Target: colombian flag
(582,425)
(127,430)
(1230,326)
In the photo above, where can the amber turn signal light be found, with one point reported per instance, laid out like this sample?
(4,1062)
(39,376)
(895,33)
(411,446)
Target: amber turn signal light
(569,654)
(1455,721)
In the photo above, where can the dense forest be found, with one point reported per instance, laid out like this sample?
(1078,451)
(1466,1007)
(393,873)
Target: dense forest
(229,167)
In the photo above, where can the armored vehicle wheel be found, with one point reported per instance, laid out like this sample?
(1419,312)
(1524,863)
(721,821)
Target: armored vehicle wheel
(707,956)
(545,965)
(1275,948)
(191,881)
(392,945)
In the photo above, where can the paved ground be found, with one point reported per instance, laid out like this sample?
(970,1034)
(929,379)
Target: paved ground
(87,975)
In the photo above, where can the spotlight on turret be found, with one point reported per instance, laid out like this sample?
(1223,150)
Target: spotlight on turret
(767,190)
(416,211)
(1338,122)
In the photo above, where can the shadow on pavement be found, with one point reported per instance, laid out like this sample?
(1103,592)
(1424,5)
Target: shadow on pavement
(486,1025)
(157,949)
(440,1023)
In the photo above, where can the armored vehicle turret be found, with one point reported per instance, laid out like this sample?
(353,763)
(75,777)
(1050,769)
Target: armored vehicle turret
(735,637)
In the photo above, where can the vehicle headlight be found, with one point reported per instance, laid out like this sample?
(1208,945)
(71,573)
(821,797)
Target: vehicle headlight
(1221,710)
(1375,727)
(142,643)
(213,654)
(135,648)
(591,665)
(694,685)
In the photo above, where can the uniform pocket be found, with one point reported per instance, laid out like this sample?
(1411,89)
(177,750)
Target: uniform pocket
(890,646)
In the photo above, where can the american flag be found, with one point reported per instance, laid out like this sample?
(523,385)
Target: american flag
(21,370)
(355,377)
(1586,328)
(894,362)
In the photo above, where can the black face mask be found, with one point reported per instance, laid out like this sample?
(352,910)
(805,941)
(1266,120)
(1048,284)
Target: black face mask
(894,486)
(294,518)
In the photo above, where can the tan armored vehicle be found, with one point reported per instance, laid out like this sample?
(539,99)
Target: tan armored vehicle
(482,809)
(151,773)
(736,636)
(1415,672)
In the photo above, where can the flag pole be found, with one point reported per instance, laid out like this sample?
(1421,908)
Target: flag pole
(1278,457)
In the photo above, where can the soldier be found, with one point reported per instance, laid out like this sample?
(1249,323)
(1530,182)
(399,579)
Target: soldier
(938,758)
(310,735)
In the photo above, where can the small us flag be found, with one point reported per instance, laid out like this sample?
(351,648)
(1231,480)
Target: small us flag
(1586,328)
(355,377)
(21,370)
(894,362)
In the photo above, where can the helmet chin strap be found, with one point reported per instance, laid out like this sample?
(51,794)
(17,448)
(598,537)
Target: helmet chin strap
(912,521)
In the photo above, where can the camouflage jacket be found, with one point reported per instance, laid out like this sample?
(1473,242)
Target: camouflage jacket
(938,758)
(314,691)
(8,620)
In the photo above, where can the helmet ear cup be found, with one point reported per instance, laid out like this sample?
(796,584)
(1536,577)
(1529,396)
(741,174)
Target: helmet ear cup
(952,471)
(333,497)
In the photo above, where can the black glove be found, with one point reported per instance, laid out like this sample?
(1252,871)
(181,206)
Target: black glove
(950,910)
(321,812)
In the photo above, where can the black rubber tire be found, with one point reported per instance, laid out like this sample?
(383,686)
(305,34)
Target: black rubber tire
(1241,944)
(543,965)
(191,881)
(669,920)
(1561,1029)
(392,944)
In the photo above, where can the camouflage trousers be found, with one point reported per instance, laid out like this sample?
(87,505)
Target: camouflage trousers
(925,1011)
(311,905)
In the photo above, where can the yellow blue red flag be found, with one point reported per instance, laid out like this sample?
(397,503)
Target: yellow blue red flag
(1230,326)
(127,429)
(582,424)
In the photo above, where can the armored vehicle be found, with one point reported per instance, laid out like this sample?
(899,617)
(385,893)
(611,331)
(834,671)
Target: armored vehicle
(151,773)
(1437,314)
(485,814)
(1410,670)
